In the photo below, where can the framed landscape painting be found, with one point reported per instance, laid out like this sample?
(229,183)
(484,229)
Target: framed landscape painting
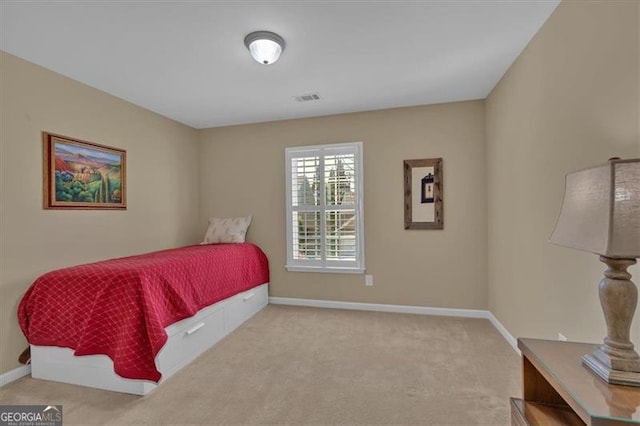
(83,175)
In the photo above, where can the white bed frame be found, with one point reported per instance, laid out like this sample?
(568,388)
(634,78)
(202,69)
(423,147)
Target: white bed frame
(188,339)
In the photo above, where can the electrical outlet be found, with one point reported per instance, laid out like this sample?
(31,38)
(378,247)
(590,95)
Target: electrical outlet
(562,337)
(368,280)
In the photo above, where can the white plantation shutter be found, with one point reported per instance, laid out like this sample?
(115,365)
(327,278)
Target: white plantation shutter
(324,208)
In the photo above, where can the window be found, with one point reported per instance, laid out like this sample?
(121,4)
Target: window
(324,208)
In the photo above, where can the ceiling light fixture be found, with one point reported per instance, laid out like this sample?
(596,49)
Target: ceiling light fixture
(265,46)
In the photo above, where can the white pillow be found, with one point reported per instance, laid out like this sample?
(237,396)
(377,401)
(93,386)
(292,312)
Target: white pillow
(227,230)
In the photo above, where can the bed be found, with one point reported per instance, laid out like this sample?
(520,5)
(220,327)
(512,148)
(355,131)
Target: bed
(128,324)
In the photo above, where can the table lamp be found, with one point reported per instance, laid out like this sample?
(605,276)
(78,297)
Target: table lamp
(601,214)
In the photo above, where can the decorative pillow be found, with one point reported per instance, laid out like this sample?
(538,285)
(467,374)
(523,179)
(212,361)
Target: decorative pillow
(228,230)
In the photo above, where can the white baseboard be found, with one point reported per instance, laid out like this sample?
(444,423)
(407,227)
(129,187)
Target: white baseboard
(15,374)
(401,309)
(502,330)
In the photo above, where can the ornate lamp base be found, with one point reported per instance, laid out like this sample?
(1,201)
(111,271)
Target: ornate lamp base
(608,374)
(616,361)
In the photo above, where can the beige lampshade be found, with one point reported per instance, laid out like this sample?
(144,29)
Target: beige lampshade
(601,210)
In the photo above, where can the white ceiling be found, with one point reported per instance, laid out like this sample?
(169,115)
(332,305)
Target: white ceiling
(186,60)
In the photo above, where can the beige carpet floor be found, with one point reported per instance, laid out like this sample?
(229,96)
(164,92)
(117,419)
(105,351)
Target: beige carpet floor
(307,366)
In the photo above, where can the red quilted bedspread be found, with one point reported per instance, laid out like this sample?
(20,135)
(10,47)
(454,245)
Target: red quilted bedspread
(120,307)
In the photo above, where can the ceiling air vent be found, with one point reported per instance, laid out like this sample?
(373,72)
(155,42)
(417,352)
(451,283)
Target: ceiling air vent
(307,98)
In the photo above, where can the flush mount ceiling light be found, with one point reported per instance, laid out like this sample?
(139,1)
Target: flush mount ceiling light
(265,46)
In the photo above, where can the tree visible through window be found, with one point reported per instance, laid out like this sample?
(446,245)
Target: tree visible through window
(324,199)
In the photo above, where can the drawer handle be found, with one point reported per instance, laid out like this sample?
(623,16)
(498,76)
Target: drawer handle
(195,328)
(249,296)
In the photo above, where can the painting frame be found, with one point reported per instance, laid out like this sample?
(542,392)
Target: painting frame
(82,175)
(431,190)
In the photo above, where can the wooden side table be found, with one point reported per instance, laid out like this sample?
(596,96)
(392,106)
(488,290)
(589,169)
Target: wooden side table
(559,390)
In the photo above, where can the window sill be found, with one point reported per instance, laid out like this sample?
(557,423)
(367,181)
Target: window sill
(324,269)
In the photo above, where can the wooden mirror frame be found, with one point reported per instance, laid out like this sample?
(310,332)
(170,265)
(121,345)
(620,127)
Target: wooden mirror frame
(438,222)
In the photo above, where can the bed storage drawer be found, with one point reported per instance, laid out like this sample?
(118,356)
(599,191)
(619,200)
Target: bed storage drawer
(244,305)
(191,337)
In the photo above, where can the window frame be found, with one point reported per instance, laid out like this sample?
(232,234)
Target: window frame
(324,265)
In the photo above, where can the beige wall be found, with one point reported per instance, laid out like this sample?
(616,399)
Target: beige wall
(569,101)
(242,172)
(161,179)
